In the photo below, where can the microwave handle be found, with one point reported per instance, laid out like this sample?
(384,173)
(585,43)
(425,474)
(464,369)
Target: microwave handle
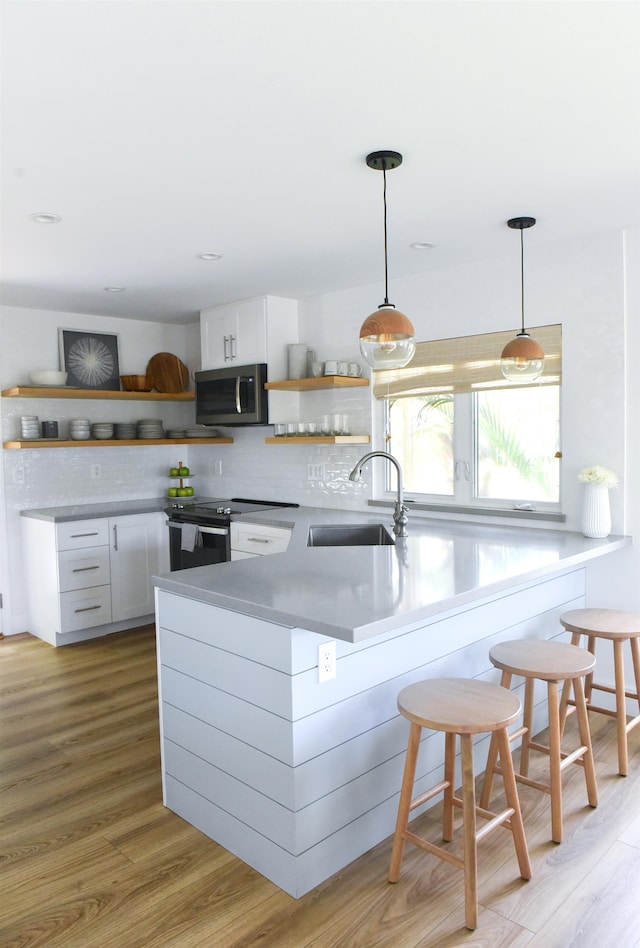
(238,404)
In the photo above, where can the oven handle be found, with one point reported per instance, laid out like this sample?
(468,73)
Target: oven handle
(217,531)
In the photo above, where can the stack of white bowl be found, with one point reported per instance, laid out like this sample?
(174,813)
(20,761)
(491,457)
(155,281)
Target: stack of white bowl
(102,430)
(149,428)
(125,430)
(79,429)
(29,427)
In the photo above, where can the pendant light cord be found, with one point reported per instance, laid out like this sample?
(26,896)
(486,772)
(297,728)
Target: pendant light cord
(522,275)
(384,198)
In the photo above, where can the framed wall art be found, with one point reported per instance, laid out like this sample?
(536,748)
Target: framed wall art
(90,359)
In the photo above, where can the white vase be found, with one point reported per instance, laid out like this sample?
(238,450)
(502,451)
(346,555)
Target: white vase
(596,511)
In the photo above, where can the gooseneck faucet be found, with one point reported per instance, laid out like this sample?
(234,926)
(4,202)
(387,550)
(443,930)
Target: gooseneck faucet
(400,518)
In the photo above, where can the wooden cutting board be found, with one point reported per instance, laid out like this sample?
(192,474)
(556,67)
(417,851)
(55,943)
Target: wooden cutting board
(166,373)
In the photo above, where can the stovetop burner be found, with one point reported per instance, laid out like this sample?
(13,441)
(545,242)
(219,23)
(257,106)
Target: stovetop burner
(221,510)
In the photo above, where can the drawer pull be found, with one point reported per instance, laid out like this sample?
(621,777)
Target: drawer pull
(83,569)
(74,536)
(87,608)
(258,540)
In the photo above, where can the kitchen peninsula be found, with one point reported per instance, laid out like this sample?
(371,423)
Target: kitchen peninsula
(299,777)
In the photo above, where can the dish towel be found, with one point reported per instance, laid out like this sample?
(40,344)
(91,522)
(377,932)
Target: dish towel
(189,538)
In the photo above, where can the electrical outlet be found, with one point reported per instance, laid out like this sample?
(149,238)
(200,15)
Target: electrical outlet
(96,471)
(18,475)
(217,468)
(315,472)
(326,661)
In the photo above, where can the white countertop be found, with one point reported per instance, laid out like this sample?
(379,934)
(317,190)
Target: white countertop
(354,593)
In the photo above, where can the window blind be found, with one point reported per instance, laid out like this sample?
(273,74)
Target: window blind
(466,364)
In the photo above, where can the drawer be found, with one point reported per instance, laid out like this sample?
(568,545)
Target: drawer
(80,569)
(76,534)
(84,608)
(256,538)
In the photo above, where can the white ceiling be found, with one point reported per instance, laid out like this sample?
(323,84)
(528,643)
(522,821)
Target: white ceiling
(162,130)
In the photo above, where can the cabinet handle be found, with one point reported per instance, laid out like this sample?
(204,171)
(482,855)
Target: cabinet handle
(83,569)
(226,344)
(258,540)
(76,535)
(232,347)
(115,538)
(87,608)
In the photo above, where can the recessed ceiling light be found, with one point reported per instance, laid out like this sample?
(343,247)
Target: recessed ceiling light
(115,289)
(209,256)
(45,218)
(421,245)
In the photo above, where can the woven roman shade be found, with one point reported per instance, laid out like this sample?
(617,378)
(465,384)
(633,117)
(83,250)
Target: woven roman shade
(466,364)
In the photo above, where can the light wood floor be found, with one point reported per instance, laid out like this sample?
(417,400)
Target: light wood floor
(89,856)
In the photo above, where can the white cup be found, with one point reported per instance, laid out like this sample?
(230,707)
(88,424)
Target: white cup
(343,368)
(355,370)
(317,369)
(331,368)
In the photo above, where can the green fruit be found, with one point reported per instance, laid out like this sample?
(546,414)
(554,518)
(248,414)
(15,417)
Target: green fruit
(174,472)
(183,471)
(190,491)
(172,492)
(182,491)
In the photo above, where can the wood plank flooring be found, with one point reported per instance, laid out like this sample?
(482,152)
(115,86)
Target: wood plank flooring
(90,858)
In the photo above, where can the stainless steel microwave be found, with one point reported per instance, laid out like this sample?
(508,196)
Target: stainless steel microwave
(232,396)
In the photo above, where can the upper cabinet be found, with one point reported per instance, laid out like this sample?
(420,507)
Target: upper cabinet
(250,331)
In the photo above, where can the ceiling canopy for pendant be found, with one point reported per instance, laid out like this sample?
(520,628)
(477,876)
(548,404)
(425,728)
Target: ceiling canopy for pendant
(387,337)
(522,359)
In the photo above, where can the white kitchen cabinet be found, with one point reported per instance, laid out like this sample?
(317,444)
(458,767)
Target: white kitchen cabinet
(252,539)
(135,549)
(86,578)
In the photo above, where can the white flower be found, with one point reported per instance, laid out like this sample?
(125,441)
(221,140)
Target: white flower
(598,475)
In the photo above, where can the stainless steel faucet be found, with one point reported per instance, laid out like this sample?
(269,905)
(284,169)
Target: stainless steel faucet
(400,518)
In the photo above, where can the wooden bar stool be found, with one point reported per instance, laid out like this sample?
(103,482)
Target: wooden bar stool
(464,707)
(618,627)
(552,662)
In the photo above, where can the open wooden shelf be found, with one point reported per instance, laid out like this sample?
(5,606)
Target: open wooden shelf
(320,439)
(36,391)
(323,382)
(111,443)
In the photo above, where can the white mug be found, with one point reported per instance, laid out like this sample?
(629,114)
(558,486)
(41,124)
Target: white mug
(343,368)
(355,370)
(331,368)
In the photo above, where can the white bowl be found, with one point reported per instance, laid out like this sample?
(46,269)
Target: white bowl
(48,378)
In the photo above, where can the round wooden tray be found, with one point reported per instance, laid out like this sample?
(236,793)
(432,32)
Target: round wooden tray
(167,373)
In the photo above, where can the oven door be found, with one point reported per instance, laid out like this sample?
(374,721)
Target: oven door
(209,546)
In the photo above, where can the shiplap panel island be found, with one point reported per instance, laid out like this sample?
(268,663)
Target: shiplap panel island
(298,777)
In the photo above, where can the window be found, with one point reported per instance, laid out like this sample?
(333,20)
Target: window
(464,435)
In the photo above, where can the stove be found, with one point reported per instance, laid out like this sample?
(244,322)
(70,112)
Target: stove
(219,511)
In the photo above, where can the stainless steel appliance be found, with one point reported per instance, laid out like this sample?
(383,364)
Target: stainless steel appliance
(232,396)
(199,531)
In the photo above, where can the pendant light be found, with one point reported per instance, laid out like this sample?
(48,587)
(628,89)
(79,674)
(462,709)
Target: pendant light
(386,336)
(522,359)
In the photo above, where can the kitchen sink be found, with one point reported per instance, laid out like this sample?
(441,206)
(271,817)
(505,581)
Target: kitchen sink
(350,534)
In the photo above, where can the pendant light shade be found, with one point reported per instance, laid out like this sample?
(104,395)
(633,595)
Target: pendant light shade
(387,337)
(522,359)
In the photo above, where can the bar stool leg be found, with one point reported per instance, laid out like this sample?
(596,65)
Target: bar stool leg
(492,757)
(555,777)
(621,708)
(527,720)
(585,740)
(513,801)
(469,830)
(449,776)
(405,801)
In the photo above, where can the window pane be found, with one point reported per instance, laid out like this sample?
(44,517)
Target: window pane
(518,435)
(422,439)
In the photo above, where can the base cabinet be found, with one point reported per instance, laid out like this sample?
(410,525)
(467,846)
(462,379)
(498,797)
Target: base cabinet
(87,578)
(251,539)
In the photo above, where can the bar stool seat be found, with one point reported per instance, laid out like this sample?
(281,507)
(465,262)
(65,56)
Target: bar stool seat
(552,662)
(618,627)
(459,707)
